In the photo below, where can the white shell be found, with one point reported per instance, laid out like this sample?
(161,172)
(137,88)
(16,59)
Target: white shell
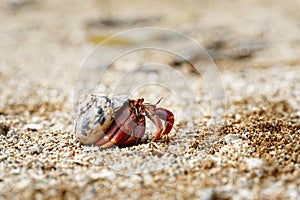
(95,115)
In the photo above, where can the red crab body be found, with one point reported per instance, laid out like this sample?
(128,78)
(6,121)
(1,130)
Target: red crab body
(129,124)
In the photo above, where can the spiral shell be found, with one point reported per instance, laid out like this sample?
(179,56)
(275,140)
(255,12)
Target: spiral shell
(95,115)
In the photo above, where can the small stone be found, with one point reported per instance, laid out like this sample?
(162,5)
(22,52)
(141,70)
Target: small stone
(148,180)
(33,127)
(3,157)
(230,138)
(47,167)
(15,171)
(2,175)
(208,194)
(104,174)
(245,136)
(238,117)
(35,149)
(136,179)
(35,119)
(254,163)
(72,153)
(3,129)
(24,183)
(123,185)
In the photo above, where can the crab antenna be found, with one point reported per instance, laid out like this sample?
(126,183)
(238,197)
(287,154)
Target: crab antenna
(159,101)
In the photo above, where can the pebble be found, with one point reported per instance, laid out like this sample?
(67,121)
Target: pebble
(238,117)
(24,183)
(104,174)
(33,127)
(208,194)
(1,176)
(3,129)
(254,163)
(36,149)
(15,171)
(35,119)
(136,179)
(148,179)
(230,138)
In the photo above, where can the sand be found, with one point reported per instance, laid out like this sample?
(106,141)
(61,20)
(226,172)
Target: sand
(237,119)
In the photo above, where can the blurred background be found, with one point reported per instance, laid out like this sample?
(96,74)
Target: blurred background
(43,41)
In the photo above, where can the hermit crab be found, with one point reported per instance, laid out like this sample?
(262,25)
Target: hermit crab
(119,121)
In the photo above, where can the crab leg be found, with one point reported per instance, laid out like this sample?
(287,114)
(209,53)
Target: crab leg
(120,136)
(120,119)
(123,133)
(157,122)
(111,132)
(167,116)
(138,132)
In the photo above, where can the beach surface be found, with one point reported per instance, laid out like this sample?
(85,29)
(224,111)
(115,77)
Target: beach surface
(236,100)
